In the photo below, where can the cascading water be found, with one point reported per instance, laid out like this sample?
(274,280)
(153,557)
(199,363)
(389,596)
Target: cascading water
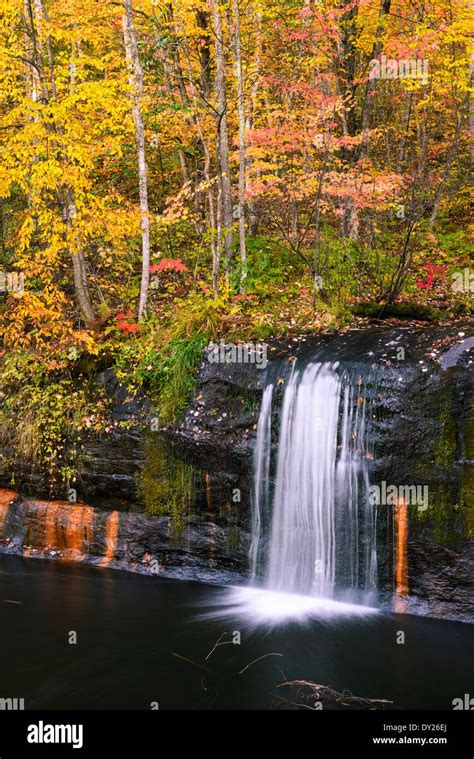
(313,551)
(322,540)
(262,476)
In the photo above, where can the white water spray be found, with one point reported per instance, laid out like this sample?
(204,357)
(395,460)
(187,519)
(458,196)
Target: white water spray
(322,540)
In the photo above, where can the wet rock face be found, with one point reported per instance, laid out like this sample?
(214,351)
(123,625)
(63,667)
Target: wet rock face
(420,385)
(183,494)
(220,422)
(203,549)
(442,581)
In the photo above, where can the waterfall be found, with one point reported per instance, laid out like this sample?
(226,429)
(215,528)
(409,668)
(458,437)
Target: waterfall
(262,476)
(322,538)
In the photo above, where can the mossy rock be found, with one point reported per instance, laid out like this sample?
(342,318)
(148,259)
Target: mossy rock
(167,483)
(404,310)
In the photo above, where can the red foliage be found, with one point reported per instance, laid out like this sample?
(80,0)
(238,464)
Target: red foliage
(126,324)
(169,264)
(433,272)
(121,317)
(243,297)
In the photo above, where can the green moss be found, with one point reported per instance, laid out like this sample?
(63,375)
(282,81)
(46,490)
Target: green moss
(445,446)
(467,480)
(250,404)
(445,517)
(405,310)
(450,516)
(440,445)
(167,483)
(230,512)
(467,498)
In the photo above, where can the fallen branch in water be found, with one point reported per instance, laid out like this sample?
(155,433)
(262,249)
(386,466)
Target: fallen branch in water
(308,695)
(314,696)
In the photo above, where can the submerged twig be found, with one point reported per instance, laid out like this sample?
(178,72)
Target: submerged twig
(190,661)
(247,666)
(217,644)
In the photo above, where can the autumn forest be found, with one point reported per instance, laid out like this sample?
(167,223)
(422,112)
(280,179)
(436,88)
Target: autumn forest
(176,172)
(236,351)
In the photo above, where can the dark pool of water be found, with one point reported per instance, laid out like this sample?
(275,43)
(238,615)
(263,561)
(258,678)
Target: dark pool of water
(129,628)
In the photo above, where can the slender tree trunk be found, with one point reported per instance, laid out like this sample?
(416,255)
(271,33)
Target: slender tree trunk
(79,270)
(37,18)
(405,128)
(81,285)
(168,69)
(215,244)
(446,172)
(401,272)
(41,15)
(215,231)
(369,87)
(31,82)
(252,217)
(223,135)
(217,261)
(174,75)
(242,147)
(202,20)
(317,228)
(346,79)
(136,86)
(78,259)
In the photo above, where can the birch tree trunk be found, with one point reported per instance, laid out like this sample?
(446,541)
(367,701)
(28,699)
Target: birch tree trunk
(250,117)
(136,86)
(242,147)
(223,136)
